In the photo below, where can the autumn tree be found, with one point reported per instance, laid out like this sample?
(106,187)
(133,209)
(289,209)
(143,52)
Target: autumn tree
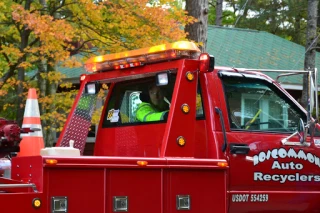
(36,35)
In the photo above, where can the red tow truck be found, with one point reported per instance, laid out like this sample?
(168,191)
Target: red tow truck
(234,141)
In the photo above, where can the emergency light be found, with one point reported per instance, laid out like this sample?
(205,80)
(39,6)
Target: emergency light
(139,57)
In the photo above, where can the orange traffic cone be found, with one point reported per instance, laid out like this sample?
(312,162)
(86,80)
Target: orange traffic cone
(31,142)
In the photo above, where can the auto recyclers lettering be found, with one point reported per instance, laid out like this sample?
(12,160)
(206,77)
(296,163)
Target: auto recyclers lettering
(278,154)
(283,153)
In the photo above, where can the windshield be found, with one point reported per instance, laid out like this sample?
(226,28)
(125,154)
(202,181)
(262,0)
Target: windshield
(255,104)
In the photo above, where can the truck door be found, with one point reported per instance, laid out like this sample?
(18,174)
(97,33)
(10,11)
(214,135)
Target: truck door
(267,175)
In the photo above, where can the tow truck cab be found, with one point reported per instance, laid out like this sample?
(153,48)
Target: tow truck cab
(234,140)
(241,116)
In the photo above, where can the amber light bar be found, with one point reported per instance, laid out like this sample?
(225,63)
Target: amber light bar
(139,57)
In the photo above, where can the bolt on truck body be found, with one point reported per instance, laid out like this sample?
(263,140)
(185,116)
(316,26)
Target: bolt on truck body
(234,141)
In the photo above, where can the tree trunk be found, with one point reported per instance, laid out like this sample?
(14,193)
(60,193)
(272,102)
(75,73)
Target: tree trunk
(47,88)
(24,36)
(20,98)
(311,42)
(219,12)
(198,31)
(51,125)
(42,84)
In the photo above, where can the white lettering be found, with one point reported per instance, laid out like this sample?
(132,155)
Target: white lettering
(275,177)
(258,176)
(255,160)
(299,166)
(292,153)
(268,155)
(267,177)
(316,161)
(304,178)
(291,178)
(276,165)
(291,165)
(283,178)
(262,156)
(282,153)
(310,158)
(302,155)
(317,178)
(240,198)
(274,153)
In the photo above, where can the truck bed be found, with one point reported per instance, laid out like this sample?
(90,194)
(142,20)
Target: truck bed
(114,184)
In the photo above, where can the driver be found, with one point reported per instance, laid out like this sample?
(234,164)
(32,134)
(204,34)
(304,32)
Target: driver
(154,106)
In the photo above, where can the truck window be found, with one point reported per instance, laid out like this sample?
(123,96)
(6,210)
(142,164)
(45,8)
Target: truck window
(255,104)
(127,96)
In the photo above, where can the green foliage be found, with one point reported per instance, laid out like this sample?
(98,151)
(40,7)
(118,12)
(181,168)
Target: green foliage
(285,18)
(229,17)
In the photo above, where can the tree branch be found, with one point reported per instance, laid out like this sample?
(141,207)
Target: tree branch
(4,54)
(6,76)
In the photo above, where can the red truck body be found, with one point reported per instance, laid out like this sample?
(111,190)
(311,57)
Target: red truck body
(229,144)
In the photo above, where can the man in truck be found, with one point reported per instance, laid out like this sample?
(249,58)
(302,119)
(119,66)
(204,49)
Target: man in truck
(154,106)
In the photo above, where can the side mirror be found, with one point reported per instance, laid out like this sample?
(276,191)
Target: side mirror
(301,131)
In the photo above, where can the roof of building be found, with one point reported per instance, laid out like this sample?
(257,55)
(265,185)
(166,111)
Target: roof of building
(244,48)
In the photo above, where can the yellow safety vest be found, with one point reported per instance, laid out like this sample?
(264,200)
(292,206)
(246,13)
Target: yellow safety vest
(146,112)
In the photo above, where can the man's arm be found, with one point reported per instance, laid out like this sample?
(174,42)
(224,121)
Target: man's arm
(146,112)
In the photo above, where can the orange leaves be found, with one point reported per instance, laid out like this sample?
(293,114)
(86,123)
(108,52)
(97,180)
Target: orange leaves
(3,92)
(72,62)
(55,109)
(44,26)
(52,33)
(25,65)
(46,101)
(141,24)
(11,51)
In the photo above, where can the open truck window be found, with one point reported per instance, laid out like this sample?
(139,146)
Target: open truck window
(256,104)
(127,96)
